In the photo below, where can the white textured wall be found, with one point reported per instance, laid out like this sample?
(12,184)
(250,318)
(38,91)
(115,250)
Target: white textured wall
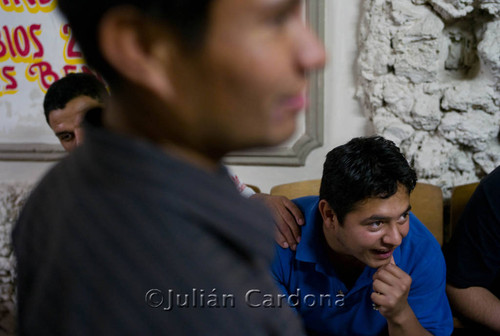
(430,80)
(12,197)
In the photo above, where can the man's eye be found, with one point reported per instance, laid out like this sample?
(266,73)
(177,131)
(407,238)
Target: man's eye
(280,18)
(376,224)
(404,217)
(66,137)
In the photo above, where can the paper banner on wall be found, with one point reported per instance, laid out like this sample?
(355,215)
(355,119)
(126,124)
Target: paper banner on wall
(36,49)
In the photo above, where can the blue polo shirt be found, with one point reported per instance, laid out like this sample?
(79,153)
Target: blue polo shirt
(327,307)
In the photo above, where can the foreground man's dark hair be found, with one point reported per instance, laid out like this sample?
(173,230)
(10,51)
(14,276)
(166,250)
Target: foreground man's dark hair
(187,19)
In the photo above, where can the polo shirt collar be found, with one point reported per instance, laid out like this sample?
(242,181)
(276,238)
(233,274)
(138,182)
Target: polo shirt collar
(312,244)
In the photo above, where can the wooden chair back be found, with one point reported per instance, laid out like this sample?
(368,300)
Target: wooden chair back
(253,187)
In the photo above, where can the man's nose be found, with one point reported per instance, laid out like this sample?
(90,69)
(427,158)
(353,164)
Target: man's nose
(393,235)
(310,50)
(79,136)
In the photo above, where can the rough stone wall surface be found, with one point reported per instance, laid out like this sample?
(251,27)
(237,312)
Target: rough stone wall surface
(429,79)
(12,197)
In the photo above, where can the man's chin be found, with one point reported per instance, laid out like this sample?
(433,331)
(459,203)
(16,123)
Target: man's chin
(280,136)
(379,262)
(272,138)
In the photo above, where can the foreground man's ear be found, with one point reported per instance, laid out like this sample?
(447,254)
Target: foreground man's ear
(138,48)
(328,215)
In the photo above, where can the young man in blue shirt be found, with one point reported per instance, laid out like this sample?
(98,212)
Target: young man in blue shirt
(365,264)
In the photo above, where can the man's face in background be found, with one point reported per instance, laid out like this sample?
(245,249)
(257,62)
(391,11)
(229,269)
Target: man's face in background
(66,122)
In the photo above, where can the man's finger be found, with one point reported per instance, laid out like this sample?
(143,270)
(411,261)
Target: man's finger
(284,237)
(287,221)
(381,286)
(386,276)
(377,299)
(389,273)
(294,210)
(281,240)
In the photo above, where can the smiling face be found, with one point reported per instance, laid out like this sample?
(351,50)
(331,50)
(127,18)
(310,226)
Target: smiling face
(370,232)
(65,122)
(247,84)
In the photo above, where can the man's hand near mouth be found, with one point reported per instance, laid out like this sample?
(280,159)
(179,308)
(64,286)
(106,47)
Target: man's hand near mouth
(391,286)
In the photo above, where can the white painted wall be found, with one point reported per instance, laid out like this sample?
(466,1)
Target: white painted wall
(343,116)
(11,171)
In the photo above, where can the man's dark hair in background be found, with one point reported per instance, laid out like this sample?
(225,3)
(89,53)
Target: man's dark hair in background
(349,175)
(67,101)
(70,87)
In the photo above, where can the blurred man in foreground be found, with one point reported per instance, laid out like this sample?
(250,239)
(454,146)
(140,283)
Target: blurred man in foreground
(132,232)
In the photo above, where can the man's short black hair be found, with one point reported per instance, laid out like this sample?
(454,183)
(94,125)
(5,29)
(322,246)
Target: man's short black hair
(72,86)
(187,19)
(363,168)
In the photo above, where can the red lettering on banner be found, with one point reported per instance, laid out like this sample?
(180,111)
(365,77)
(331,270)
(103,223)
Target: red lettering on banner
(3,50)
(70,52)
(7,74)
(22,45)
(41,2)
(71,46)
(8,2)
(33,6)
(43,73)
(9,40)
(34,30)
(67,69)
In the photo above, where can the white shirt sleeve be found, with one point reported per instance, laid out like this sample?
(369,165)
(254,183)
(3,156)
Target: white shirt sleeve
(242,188)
